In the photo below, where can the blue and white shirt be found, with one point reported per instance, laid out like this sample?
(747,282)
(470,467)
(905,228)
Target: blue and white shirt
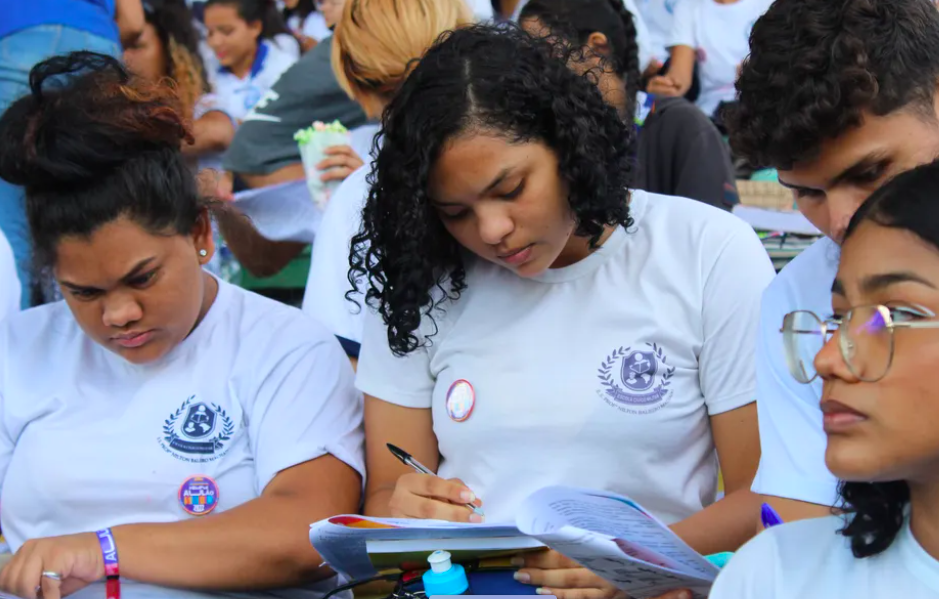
(236,96)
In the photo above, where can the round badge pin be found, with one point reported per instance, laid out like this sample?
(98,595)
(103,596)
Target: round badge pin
(461,399)
(198,495)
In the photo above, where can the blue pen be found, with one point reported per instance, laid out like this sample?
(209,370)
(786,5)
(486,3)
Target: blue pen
(769,516)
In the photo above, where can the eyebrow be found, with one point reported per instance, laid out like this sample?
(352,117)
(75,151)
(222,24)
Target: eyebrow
(495,183)
(875,283)
(873,159)
(130,275)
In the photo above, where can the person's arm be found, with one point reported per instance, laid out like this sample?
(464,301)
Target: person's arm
(130,19)
(261,544)
(729,523)
(212,132)
(792,476)
(681,69)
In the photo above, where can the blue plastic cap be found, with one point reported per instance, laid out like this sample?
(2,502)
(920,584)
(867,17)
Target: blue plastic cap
(452,581)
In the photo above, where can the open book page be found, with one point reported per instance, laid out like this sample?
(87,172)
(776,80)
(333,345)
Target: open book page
(342,540)
(283,212)
(616,539)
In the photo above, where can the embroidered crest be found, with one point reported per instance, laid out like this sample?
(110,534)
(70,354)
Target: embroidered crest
(197,432)
(636,380)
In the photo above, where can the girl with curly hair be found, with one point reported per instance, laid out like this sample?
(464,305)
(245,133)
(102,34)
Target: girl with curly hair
(880,407)
(168,49)
(533,321)
(185,416)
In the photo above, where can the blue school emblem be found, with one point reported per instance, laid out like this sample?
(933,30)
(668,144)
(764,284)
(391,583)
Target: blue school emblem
(636,381)
(197,432)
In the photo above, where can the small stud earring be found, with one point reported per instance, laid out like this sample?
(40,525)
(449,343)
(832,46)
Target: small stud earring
(203,253)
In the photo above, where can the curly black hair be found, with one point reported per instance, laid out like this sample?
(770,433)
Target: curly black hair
(876,511)
(494,79)
(574,20)
(816,66)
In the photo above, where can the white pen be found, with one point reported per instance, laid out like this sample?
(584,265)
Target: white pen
(406,458)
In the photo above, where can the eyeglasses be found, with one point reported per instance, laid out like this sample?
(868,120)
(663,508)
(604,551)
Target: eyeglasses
(865,338)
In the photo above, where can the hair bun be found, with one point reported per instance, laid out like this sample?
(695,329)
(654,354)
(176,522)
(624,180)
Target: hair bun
(84,117)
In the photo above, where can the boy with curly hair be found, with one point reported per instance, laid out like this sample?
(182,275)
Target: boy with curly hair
(839,96)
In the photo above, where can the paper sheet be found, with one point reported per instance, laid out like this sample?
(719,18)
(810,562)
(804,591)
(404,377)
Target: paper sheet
(763,219)
(616,539)
(282,212)
(341,540)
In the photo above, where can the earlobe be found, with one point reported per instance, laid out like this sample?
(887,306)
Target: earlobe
(599,43)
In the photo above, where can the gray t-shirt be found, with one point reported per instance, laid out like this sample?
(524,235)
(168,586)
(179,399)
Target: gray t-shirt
(306,92)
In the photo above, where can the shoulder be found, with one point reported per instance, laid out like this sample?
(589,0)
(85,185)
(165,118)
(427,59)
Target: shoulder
(30,337)
(688,221)
(679,111)
(806,280)
(280,55)
(269,329)
(784,557)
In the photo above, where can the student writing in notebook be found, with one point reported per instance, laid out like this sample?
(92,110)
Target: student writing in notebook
(538,322)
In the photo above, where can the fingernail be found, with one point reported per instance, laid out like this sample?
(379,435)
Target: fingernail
(475,518)
(522,577)
(541,591)
(467,496)
(518,561)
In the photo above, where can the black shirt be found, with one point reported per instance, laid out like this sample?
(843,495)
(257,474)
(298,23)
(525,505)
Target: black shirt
(681,153)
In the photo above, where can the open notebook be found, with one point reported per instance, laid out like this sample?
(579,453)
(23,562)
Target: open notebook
(610,534)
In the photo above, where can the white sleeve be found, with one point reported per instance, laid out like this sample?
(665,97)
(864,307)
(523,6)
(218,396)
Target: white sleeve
(328,280)
(405,381)
(751,573)
(306,407)
(732,290)
(683,24)
(643,37)
(482,9)
(10,289)
(792,462)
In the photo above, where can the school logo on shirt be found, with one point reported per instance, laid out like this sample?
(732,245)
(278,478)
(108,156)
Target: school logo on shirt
(197,432)
(636,380)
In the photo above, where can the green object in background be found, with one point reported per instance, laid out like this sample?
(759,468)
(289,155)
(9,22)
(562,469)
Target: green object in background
(766,174)
(293,276)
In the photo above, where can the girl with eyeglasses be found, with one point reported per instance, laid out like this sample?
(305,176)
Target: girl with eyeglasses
(876,356)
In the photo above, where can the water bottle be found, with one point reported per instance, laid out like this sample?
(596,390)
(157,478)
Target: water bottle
(444,577)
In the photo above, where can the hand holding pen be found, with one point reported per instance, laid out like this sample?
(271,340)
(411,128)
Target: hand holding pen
(426,495)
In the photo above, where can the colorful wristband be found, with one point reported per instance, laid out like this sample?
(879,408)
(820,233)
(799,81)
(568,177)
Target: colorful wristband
(112,570)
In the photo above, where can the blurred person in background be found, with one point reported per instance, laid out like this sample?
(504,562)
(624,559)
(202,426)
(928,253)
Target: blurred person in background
(679,151)
(307,24)
(375,47)
(30,32)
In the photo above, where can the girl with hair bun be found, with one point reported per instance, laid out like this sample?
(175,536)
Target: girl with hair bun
(532,321)
(183,436)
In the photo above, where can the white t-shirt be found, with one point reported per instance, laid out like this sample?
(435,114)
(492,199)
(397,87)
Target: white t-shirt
(720,34)
(643,39)
(10,290)
(809,559)
(238,96)
(328,281)
(256,388)
(313,26)
(659,18)
(599,375)
(792,462)
(482,9)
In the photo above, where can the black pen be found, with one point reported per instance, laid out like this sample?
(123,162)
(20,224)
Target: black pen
(406,458)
